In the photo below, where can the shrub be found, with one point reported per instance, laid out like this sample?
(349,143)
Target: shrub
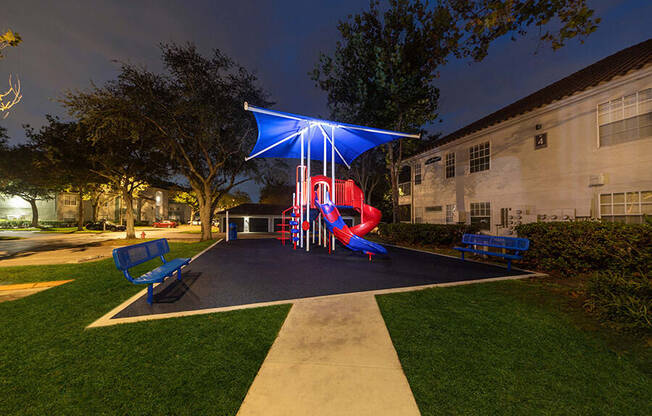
(425,234)
(9,224)
(576,247)
(624,300)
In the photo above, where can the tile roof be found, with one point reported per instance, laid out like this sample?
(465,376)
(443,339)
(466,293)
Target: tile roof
(633,58)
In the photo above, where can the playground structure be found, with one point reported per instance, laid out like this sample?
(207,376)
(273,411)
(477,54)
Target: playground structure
(323,221)
(314,216)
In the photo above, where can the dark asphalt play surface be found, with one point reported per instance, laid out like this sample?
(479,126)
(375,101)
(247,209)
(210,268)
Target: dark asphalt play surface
(251,271)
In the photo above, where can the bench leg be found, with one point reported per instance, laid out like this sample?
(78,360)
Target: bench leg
(179,274)
(462,255)
(150,293)
(509,264)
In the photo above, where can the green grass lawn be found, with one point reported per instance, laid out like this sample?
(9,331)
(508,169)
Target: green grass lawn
(50,364)
(197,230)
(514,348)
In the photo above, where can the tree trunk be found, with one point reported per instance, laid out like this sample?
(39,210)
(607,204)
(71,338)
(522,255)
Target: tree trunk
(80,213)
(95,206)
(204,199)
(129,204)
(32,202)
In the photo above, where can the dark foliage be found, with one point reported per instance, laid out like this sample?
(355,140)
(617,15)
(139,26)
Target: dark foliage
(425,234)
(569,248)
(622,300)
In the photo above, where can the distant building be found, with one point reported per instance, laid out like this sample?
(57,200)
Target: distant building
(580,148)
(151,205)
(263,218)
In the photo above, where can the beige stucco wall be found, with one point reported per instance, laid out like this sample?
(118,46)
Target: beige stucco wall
(551,181)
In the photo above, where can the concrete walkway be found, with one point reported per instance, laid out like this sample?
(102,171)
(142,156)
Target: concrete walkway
(21,290)
(333,356)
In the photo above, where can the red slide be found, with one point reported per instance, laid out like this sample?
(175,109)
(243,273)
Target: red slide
(349,194)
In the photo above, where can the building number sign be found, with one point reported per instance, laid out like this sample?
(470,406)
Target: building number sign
(540,141)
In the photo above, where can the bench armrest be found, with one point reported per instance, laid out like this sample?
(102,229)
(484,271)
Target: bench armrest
(128,275)
(163,259)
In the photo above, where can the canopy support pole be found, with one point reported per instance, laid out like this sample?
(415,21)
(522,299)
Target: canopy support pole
(276,144)
(333,144)
(302,179)
(309,191)
(333,187)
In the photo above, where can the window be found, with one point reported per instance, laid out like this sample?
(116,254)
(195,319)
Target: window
(417,174)
(481,214)
(405,181)
(405,174)
(69,200)
(404,189)
(479,157)
(626,118)
(418,215)
(436,208)
(626,207)
(449,170)
(405,213)
(450,210)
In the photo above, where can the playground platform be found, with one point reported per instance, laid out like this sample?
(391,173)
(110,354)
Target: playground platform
(262,271)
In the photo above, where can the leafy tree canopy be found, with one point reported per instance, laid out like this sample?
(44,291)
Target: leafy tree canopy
(383,69)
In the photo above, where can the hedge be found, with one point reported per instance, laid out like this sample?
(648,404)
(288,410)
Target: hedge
(9,224)
(425,234)
(569,248)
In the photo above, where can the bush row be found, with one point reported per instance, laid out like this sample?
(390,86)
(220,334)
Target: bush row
(569,248)
(425,234)
(621,299)
(8,224)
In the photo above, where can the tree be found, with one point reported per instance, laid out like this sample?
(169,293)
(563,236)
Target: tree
(276,188)
(7,39)
(277,192)
(383,70)
(125,149)
(12,96)
(196,108)
(66,149)
(368,171)
(98,194)
(189,198)
(232,199)
(21,175)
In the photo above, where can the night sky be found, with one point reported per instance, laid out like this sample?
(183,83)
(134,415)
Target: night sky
(68,44)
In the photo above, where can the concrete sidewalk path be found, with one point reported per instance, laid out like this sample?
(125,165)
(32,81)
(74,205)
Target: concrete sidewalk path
(333,356)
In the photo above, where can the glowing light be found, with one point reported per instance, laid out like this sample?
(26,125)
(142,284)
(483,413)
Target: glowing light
(17,202)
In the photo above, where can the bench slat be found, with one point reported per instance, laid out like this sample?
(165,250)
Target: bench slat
(131,256)
(490,253)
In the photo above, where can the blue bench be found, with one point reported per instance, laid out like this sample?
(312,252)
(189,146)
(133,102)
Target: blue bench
(131,256)
(517,245)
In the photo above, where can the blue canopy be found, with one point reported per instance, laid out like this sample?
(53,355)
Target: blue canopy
(280,135)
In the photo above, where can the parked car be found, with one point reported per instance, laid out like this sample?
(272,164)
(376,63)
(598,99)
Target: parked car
(100,225)
(165,224)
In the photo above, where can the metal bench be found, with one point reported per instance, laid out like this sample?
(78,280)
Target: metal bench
(517,245)
(131,256)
